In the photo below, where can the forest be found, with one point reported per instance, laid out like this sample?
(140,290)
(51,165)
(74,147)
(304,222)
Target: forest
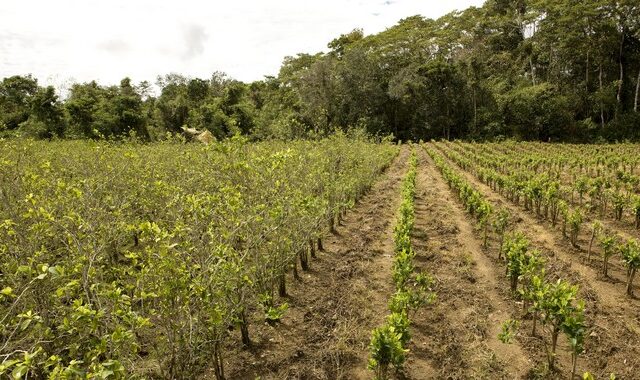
(524,69)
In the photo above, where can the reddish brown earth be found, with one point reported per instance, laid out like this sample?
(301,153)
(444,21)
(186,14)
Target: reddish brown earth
(326,331)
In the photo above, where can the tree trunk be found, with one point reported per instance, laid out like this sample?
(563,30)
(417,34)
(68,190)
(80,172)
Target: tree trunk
(282,285)
(554,344)
(296,275)
(601,100)
(632,274)
(475,108)
(304,260)
(514,283)
(620,82)
(244,329)
(485,234)
(320,247)
(312,249)
(586,80)
(533,71)
(574,363)
(593,237)
(218,363)
(635,104)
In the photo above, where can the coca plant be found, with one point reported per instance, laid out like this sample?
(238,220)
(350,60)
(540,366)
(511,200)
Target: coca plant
(630,253)
(607,243)
(636,210)
(516,248)
(125,259)
(385,351)
(575,221)
(596,229)
(560,311)
(500,224)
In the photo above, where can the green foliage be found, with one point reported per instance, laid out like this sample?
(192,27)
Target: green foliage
(508,331)
(125,260)
(516,250)
(560,312)
(413,290)
(385,350)
(480,73)
(537,112)
(636,210)
(273,315)
(500,224)
(630,253)
(575,221)
(399,323)
(589,376)
(16,94)
(607,242)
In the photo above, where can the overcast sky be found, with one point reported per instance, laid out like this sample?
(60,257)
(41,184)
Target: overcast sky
(107,40)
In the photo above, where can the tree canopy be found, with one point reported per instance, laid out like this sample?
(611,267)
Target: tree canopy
(550,70)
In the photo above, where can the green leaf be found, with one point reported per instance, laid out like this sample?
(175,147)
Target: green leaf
(24,324)
(105,373)
(19,372)
(8,364)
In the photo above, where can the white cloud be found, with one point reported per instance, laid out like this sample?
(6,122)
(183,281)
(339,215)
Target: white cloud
(108,40)
(195,38)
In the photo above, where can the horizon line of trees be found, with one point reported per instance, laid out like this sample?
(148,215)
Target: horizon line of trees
(549,70)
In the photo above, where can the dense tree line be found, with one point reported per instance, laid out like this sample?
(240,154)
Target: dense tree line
(530,69)
(219,104)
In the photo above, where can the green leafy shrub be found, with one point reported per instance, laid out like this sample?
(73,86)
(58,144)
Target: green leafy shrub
(386,351)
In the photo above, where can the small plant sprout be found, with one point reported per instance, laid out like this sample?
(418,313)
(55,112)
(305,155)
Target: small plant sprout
(273,314)
(509,328)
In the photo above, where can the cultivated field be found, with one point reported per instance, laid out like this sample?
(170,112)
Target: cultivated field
(333,259)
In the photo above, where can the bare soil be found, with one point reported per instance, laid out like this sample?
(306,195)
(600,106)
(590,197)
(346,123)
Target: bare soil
(613,341)
(326,331)
(457,335)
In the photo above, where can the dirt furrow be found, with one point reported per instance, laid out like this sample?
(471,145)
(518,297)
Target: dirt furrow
(456,337)
(613,344)
(326,331)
